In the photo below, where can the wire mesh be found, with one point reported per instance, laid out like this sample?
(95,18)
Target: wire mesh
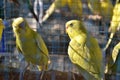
(52,31)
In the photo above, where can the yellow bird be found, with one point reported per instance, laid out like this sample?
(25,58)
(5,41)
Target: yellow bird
(30,44)
(106,9)
(1,28)
(84,51)
(101,8)
(74,5)
(115,23)
(94,6)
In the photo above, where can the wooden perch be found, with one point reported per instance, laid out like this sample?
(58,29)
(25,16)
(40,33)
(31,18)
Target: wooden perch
(13,74)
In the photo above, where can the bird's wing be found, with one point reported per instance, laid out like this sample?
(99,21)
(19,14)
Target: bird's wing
(85,56)
(113,61)
(115,52)
(18,48)
(79,54)
(41,44)
(75,6)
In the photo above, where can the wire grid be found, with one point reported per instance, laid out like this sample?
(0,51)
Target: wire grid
(52,31)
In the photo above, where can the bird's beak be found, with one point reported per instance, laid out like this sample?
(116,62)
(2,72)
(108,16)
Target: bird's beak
(66,28)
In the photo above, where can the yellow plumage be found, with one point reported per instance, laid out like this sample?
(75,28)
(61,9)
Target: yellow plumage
(30,44)
(56,4)
(115,23)
(106,9)
(94,6)
(115,52)
(114,60)
(84,51)
(1,28)
(74,5)
(102,8)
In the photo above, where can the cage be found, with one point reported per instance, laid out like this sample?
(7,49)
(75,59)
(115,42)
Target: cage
(54,35)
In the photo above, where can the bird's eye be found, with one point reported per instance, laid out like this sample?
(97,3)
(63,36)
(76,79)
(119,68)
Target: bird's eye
(71,25)
(22,25)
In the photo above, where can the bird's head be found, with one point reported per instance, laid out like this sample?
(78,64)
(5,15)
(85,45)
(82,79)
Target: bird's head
(19,24)
(74,28)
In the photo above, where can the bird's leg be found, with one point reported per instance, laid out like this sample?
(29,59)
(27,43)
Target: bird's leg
(42,74)
(22,72)
(73,76)
(42,69)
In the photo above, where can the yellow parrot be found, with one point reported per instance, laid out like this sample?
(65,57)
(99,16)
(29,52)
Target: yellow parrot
(115,23)
(30,44)
(94,6)
(106,9)
(84,51)
(74,5)
(101,8)
(114,60)
(1,28)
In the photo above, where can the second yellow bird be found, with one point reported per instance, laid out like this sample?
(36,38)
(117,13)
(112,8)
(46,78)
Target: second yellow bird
(84,51)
